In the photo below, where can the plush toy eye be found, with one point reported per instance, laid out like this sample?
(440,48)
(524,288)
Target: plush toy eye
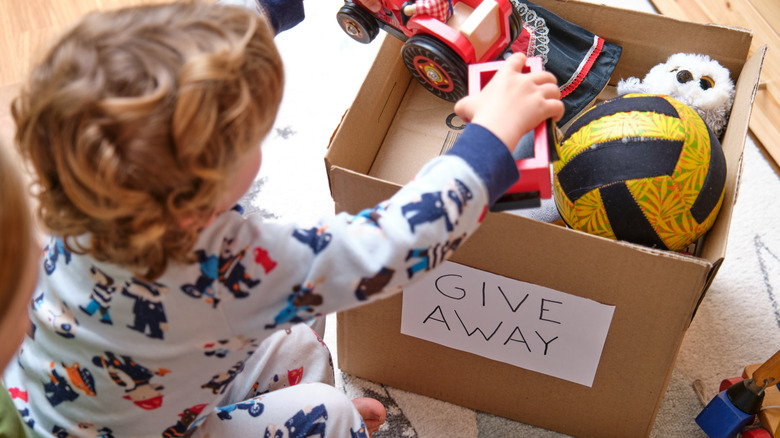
(706,83)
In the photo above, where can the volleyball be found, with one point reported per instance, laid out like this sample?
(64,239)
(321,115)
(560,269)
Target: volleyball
(641,168)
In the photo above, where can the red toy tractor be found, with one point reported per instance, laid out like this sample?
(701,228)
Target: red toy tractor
(437,53)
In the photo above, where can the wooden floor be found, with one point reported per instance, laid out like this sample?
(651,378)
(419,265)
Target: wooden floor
(26,27)
(763,18)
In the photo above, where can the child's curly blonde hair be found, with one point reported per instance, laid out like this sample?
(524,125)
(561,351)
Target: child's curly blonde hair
(135,121)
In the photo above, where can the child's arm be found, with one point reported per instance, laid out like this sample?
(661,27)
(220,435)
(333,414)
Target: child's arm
(347,259)
(282,14)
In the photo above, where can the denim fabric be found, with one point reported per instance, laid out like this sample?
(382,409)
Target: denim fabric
(565,47)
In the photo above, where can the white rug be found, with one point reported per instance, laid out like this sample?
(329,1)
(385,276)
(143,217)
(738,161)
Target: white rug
(737,324)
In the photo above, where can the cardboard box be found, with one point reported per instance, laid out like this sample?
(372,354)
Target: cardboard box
(394,127)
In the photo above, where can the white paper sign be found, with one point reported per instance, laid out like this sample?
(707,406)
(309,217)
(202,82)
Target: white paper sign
(522,324)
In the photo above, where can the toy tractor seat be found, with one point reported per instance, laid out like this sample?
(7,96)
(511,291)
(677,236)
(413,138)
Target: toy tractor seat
(482,27)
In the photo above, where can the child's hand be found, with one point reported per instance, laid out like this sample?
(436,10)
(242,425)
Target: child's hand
(372,5)
(513,102)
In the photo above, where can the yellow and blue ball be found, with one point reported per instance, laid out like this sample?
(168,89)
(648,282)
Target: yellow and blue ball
(641,168)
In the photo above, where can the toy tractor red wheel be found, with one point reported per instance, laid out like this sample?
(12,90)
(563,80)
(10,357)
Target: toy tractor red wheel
(358,23)
(437,67)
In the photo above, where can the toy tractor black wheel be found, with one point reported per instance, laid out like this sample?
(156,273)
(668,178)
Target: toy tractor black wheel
(358,23)
(515,25)
(436,66)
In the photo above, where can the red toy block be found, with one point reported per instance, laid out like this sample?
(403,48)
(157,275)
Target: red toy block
(756,433)
(724,385)
(535,178)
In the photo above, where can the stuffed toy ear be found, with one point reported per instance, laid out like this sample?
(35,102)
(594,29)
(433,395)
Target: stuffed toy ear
(630,85)
(716,118)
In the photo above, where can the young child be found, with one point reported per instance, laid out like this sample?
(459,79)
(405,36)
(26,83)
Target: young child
(160,310)
(18,273)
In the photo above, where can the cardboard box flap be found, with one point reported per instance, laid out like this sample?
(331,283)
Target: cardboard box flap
(424,127)
(357,191)
(733,147)
(377,102)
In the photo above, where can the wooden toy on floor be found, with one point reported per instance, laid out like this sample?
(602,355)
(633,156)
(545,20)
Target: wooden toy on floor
(734,408)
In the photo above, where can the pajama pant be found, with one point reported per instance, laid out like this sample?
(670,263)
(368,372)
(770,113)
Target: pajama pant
(286,390)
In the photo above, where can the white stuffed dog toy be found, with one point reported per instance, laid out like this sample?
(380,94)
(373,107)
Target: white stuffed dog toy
(695,80)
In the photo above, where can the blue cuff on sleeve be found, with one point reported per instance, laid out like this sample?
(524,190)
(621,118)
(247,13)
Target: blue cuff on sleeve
(284,14)
(489,157)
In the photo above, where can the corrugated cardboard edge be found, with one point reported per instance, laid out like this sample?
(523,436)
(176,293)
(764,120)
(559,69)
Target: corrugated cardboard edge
(737,128)
(736,136)
(377,103)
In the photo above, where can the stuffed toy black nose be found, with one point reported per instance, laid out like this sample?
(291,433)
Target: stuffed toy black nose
(684,76)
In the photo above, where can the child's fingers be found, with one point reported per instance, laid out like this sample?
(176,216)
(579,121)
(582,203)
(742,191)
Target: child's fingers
(550,90)
(549,101)
(555,108)
(464,108)
(373,5)
(515,62)
(544,77)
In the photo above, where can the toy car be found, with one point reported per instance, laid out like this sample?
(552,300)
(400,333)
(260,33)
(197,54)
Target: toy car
(437,53)
(533,154)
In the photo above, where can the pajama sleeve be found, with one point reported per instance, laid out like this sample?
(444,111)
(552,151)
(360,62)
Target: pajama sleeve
(347,259)
(283,14)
